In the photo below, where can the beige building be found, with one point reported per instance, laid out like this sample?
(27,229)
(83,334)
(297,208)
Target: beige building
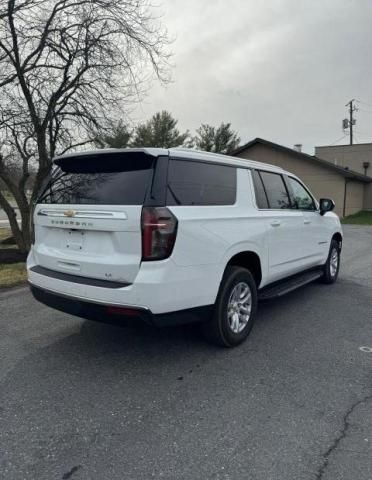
(356,157)
(348,188)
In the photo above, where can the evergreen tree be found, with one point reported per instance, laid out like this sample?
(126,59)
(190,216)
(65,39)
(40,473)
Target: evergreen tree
(160,131)
(220,139)
(119,137)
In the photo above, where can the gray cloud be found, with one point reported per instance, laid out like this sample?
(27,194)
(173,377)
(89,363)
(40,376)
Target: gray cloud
(279,69)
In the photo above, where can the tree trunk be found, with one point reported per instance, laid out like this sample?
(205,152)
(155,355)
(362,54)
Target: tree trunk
(24,210)
(21,231)
(19,237)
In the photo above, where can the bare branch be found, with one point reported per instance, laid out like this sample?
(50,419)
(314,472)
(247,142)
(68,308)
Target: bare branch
(65,67)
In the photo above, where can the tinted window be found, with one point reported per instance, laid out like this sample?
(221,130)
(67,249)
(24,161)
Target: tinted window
(111,179)
(197,183)
(301,197)
(261,199)
(276,191)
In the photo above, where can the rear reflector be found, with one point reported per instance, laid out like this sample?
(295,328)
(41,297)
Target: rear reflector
(131,312)
(159,230)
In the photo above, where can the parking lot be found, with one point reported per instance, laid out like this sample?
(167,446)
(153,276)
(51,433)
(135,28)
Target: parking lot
(81,400)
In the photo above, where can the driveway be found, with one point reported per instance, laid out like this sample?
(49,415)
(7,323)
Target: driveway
(80,400)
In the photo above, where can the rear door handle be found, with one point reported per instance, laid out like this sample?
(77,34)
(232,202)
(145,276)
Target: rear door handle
(307,222)
(275,223)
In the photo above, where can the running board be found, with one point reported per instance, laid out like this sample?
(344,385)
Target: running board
(286,286)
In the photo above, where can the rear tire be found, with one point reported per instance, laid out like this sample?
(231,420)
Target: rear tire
(332,266)
(235,309)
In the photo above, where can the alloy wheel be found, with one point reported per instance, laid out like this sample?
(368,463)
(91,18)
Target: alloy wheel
(239,307)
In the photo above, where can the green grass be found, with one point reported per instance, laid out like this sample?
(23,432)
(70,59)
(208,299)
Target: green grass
(361,218)
(8,195)
(12,275)
(4,233)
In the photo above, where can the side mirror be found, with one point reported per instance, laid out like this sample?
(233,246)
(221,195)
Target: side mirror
(326,205)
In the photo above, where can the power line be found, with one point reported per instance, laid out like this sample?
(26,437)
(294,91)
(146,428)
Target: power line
(365,111)
(363,132)
(365,103)
(364,136)
(351,122)
(339,139)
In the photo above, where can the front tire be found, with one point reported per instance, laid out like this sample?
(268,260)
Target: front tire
(332,266)
(235,308)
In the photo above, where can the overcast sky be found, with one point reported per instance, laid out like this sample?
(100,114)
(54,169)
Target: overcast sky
(278,69)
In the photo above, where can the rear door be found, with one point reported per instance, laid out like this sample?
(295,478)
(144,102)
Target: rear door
(88,218)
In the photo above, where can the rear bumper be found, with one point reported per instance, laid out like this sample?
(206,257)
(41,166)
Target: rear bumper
(160,287)
(114,314)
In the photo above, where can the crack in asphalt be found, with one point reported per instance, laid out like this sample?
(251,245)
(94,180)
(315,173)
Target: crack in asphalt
(70,473)
(343,432)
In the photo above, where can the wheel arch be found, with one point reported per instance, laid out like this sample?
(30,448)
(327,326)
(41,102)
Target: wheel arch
(250,260)
(338,237)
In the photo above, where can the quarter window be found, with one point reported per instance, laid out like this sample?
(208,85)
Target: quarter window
(276,190)
(199,183)
(301,197)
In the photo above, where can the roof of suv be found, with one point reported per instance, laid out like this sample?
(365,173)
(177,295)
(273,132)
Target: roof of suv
(186,153)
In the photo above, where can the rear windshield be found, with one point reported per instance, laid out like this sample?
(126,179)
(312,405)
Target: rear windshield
(104,179)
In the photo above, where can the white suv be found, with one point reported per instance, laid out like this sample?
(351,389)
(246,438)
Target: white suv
(175,236)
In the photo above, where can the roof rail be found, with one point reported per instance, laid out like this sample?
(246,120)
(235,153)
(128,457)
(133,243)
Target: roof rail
(194,150)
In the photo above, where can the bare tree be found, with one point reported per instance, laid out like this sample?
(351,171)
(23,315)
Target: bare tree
(18,152)
(65,65)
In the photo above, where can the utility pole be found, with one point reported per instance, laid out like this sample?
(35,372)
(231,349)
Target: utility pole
(352,120)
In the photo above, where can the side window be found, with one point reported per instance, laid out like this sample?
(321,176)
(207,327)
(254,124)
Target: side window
(276,190)
(199,183)
(301,197)
(261,198)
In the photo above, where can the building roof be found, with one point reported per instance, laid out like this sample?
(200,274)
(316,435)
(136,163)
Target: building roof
(354,145)
(347,173)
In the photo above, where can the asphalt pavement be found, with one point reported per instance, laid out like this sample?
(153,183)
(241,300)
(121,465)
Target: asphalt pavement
(82,400)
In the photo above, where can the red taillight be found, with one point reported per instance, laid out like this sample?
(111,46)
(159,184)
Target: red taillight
(159,229)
